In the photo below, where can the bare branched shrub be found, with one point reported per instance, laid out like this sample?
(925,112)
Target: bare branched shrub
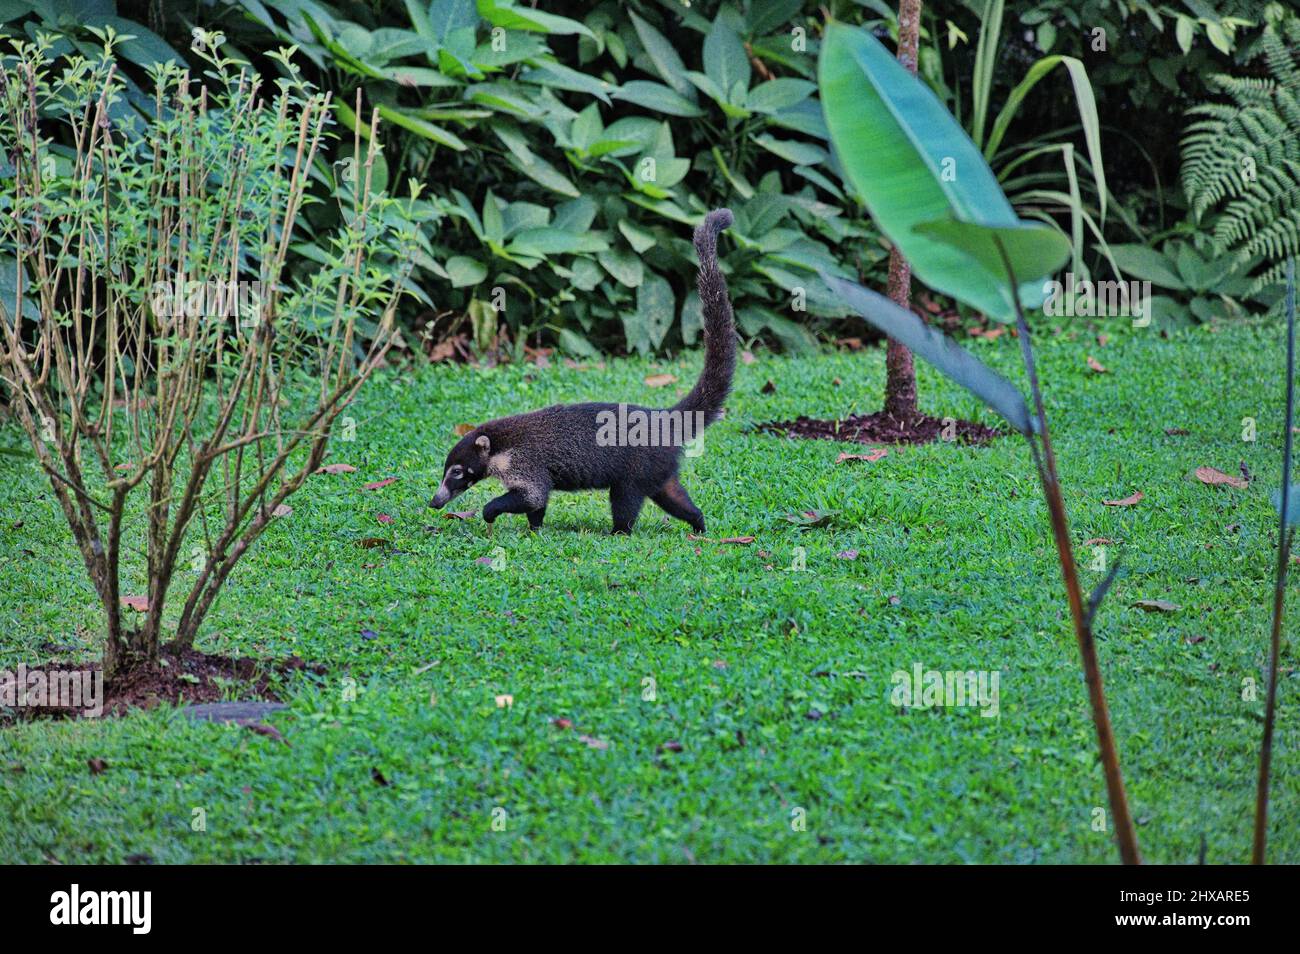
(176,382)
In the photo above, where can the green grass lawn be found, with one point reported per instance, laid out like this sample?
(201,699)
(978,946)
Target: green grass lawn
(775,682)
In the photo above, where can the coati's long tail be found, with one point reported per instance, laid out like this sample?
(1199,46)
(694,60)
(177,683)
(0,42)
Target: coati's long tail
(714,385)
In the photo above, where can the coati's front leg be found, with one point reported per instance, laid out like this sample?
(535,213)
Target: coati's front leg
(624,504)
(676,502)
(530,499)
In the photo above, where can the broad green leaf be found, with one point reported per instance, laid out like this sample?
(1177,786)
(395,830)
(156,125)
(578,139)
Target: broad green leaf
(725,61)
(1035,251)
(911,162)
(465,271)
(792,151)
(1146,264)
(946,355)
(504,13)
(575,343)
(420,127)
(586,274)
(545,174)
(692,317)
(637,237)
(778,94)
(445,17)
(655,308)
(559,76)
(665,59)
(1185,32)
(624,264)
(576,215)
(658,97)
(550,241)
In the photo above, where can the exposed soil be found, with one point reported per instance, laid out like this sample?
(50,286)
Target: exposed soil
(185,677)
(881,428)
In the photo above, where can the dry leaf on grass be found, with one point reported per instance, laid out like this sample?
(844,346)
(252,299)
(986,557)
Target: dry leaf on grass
(379,483)
(871,457)
(1217,478)
(1095,365)
(336,469)
(459,515)
(660,380)
(282,510)
(138,603)
(460,430)
(592,742)
(740,540)
(1127,501)
(384,518)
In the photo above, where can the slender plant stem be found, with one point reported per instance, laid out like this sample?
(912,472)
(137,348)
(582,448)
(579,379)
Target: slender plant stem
(1125,834)
(1284,533)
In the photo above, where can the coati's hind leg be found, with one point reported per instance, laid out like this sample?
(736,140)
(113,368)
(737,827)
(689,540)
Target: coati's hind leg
(676,502)
(624,504)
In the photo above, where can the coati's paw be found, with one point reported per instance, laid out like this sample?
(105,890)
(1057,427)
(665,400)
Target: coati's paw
(490,513)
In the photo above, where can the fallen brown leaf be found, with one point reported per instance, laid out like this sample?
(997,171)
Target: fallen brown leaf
(459,515)
(1127,501)
(593,743)
(97,766)
(460,430)
(138,603)
(379,483)
(660,380)
(1095,365)
(282,510)
(384,518)
(1096,540)
(336,469)
(740,540)
(562,723)
(1216,478)
(874,455)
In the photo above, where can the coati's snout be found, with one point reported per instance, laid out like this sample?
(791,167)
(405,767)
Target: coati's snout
(466,465)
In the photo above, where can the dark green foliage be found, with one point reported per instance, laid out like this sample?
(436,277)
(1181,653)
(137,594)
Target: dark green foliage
(1241,158)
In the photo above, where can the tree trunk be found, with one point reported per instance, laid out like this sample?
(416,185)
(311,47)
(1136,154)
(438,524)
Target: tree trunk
(900,374)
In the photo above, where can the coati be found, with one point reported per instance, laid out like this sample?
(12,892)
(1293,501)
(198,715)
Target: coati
(589,447)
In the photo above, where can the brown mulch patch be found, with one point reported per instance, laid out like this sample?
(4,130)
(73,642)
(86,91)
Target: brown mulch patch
(880,428)
(187,677)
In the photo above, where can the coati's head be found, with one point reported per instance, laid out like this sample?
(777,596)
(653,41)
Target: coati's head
(466,465)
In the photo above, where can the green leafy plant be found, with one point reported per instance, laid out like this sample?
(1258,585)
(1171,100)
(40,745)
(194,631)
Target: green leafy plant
(1197,282)
(560,192)
(176,385)
(960,235)
(1241,159)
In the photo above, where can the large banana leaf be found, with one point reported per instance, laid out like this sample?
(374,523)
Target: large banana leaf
(913,165)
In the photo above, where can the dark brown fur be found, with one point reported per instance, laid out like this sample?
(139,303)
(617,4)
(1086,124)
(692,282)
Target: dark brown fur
(556,448)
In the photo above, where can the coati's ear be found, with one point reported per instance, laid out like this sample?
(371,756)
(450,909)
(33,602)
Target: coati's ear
(483,444)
